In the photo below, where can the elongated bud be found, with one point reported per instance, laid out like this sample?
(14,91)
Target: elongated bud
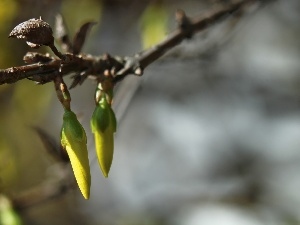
(73,139)
(103,125)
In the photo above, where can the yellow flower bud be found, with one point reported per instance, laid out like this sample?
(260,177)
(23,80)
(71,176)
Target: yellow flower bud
(73,139)
(103,125)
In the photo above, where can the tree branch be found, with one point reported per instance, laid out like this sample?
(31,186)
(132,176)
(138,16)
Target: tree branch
(45,69)
(94,67)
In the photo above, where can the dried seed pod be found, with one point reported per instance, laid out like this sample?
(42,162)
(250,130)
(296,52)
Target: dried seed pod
(36,32)
(103,125)
(73,139)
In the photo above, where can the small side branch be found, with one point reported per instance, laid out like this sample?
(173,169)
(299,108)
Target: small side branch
(186,28)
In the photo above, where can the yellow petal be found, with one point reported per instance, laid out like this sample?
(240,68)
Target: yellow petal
(104,135)
(104,142)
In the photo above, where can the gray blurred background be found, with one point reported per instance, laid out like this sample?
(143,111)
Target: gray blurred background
(209,135)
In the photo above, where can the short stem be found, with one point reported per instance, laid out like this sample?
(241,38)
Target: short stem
(62,93)
(98,93)
(56,52)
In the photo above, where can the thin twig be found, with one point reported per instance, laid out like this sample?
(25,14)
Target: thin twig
(177,36)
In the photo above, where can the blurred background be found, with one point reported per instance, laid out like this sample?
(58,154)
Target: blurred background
(209,135)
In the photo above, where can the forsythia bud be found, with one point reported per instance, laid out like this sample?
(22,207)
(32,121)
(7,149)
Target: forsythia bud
(73,139)
(103,125)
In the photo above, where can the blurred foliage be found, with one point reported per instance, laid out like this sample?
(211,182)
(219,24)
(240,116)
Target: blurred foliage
(28,104)
(7,164)
(8,11)
(78,12)
(154,23)
(39,98)
(3,88)
(7,214)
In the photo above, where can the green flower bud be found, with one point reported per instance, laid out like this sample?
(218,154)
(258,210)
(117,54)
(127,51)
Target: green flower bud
(113,119)
(103,125)
(100,118)
(73,139)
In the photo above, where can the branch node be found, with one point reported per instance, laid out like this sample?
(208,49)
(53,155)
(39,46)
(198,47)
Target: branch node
(107,73)
(56,52)
(138,71)
(34,57)
(184,23)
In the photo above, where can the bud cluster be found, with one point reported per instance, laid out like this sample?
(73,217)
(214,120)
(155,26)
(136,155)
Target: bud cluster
(36,33)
